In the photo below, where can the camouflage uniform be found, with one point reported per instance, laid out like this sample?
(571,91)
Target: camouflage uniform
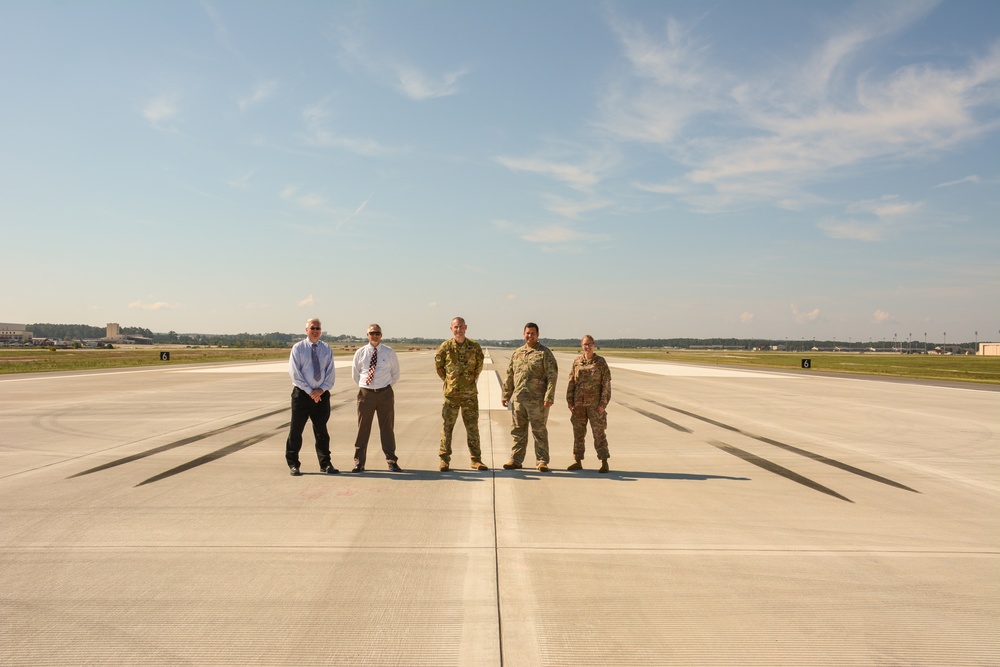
(531,381)
(459,365)
(589,388)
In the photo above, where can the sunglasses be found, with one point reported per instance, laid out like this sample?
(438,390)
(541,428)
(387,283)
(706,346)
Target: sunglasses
(374,333)
(315,328)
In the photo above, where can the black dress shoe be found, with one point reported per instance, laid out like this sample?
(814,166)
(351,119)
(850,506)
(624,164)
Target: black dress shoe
(358,469)
(294,471)
(330,470)
(394,467)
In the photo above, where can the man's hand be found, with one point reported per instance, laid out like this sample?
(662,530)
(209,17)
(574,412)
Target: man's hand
(548,404)
(503,402)
(316,395)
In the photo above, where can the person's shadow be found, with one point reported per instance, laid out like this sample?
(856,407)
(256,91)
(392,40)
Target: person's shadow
(530,474)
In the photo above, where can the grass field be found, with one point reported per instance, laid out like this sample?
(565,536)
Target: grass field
(34,360)
(984,370)
(956,368)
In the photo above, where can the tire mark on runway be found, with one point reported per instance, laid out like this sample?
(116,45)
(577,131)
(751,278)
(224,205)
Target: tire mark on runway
(790,448)
(175,444)
(208,458)
(771,466)
(655,417)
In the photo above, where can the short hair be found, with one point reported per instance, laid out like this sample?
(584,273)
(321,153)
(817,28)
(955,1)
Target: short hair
(377,326)
(531,325)
(588,337)
(313,320)
(460,319)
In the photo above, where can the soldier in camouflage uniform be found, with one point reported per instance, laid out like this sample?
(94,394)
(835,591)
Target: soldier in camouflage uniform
(459,362)
(531,385)
(588,395)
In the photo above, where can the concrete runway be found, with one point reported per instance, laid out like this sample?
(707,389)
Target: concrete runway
(750,518)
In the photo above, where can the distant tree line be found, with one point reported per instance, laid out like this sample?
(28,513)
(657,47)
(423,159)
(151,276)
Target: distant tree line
(72,332)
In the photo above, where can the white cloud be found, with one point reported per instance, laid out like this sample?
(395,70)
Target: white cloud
(574,209)
(308,301)
(746,317)
(805,317)
(261,92)
(318,133)
(161,112)
(242,182)
(968,179)
(158,305)
(419,86)
(578,176)
(880,317)
(871,219)
(768,135)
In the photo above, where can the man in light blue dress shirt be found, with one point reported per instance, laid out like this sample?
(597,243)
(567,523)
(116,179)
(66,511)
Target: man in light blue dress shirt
(375,370)
(311,366)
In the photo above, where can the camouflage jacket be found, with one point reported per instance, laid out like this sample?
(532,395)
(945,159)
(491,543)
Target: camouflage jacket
(589,383)
(459,365)
(531,375)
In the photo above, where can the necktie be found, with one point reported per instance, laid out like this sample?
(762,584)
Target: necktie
(316,373)
(371,367)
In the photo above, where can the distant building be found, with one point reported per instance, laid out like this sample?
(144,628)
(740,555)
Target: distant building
(986,349)
(14,333)
(114,335)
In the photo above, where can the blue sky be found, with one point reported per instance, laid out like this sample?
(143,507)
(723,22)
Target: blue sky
(632,169)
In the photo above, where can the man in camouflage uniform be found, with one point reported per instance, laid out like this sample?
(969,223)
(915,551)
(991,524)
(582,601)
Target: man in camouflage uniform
(588,395)
(531,385)
(459,362)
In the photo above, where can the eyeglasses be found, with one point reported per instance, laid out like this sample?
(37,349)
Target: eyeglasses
(315,328)
(374,333)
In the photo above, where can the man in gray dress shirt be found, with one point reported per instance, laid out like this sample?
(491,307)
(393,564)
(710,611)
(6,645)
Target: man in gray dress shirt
(311,366)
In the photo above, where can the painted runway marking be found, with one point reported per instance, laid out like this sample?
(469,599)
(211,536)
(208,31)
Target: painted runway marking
(259,367)
(685,370)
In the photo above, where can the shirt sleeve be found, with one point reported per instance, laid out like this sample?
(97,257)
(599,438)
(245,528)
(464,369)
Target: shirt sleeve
(356,366)
(329,372)
(393,367)
(551,375)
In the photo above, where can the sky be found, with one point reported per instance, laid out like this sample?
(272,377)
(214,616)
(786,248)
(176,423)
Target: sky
(799,170)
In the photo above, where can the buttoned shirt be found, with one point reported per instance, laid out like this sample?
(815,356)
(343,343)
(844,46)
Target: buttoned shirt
(300,366)
(386,367)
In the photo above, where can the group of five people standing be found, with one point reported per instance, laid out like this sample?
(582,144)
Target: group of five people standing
(529,390)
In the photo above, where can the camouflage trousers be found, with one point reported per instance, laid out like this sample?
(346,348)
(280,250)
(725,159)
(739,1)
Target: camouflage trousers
(598,425)
(536,415)
(469,408)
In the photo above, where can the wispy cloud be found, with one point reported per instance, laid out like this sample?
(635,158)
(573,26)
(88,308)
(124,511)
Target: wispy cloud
(560,237)
(767,136)
(396,72)
(968,179)
(881,317)
(577,167)
(158,305)
(318,133)
(804,317)
(871,219)
(261,92)
(308,301)
(161,112)
(418,85)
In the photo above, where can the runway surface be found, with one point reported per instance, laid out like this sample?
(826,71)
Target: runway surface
(750,518)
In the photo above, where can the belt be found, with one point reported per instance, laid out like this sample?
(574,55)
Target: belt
(388,386)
